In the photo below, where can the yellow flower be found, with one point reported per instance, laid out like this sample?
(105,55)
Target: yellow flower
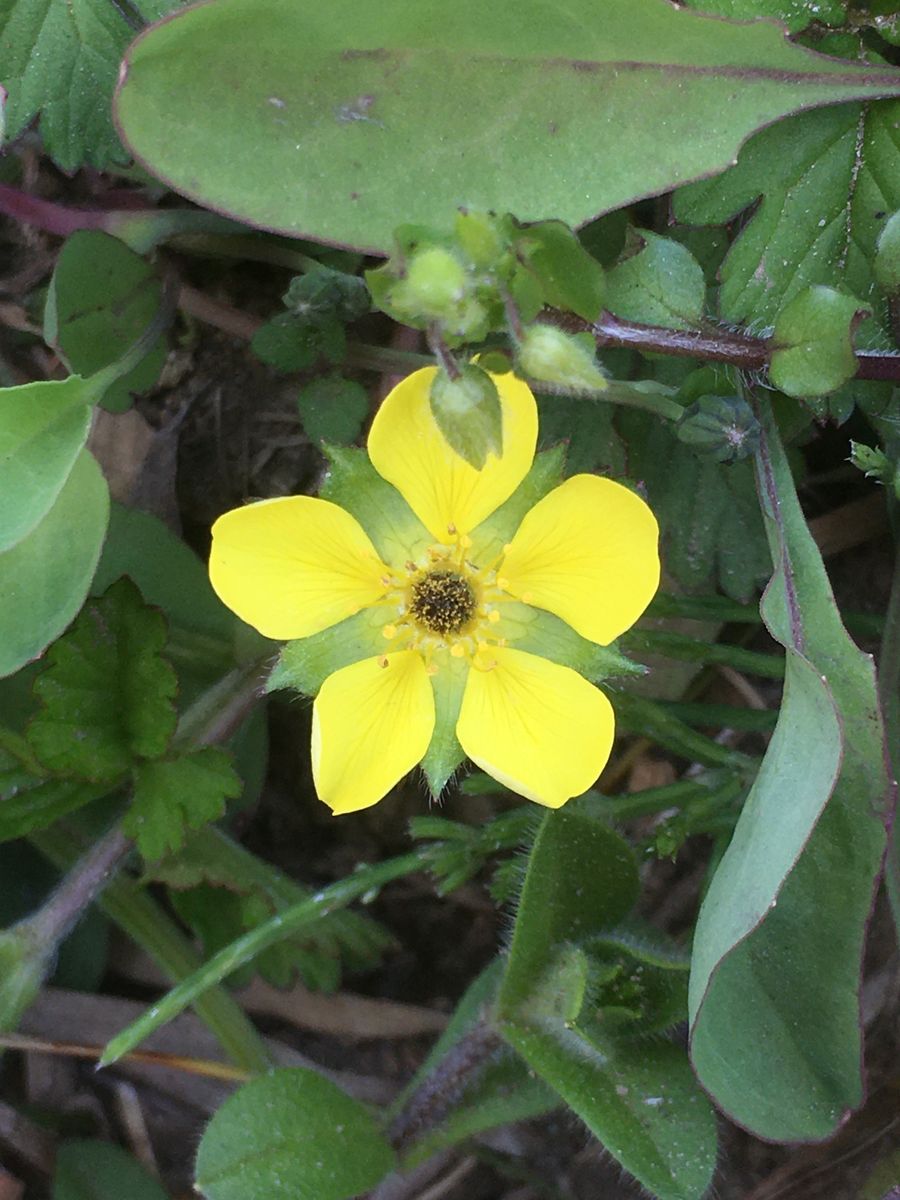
(433,611)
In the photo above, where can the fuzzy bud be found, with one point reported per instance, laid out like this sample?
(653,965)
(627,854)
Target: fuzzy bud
(552,356)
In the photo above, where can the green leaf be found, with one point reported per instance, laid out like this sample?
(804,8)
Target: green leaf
(291,1135)
(659,284)
(173,795)
(341,93)
(789,903)
(287,343)
(43,427)
(45,577)
(708,513)
(61,60)
(102,297)
(827,182)
(642,1102)
(581,879)
(796,14)
(639,1098)
(87,1170)
(28,803)
(106,693)
(887,255)
(333,409)
(814,332)
(585,429)
(568,276)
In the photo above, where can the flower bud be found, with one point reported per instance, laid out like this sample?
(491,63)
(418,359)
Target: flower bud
(481,238)
(722,428)
(552,356)
(468,413)
(435,281)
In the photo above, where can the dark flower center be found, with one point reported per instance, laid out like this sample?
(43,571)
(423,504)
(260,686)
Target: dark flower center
(442,601)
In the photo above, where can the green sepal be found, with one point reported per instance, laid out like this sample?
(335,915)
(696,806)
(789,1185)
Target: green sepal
(489,538)
(444,752)
(542,633)
(306,663)
(354,484)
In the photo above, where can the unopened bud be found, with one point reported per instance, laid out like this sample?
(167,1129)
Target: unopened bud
(468,413)
(722,428)
(552,356)
(435,281)
(480,236)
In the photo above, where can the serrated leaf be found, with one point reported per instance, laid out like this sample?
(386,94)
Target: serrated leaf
(291,1135)
(286,343)
(792,896)
(814,335)
(45,577)
(827,181)
(661,284)
(87,1170)
(173,795)
(60,61)
(107,693)
(101,298)
(43,427)
(28,803)
(340,91)
(708,512)
(887,255)
(333,409)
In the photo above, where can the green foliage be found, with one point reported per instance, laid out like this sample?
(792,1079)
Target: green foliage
(313,94)
(826,182)
(61,61)
(791,898)
(87,1170)
(659,282)
(563,1006)
(333,409)
(813,333)
(286,1137)
(101,299)
(173,795)
(887,255)
(45,576)
(106,694)
(467,411)
(796,14)
(222,890)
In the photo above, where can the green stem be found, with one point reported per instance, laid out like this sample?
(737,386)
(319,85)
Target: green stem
(247,247)
(688,649)
(284,924)
(138,914)
(728,716)
(646,717)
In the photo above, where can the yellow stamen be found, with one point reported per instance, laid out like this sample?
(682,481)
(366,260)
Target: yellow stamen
(389,632)
(383,661)
(458,650)
(493,616)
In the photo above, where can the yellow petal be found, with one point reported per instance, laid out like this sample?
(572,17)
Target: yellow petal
(371,724)
(293,566)
(540,729)
(587,552)
(444,491)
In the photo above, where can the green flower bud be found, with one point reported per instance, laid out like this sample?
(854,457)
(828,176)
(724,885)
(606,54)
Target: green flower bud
(480,236)
(23,965)
(468,413)
(722,428)
(435,281)
(552,356)
(875,464)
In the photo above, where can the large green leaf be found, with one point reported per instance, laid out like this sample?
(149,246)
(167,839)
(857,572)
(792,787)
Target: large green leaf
(45,577)
(43,427)
(827,183)
(291,1135)
(60,60)
(337,122)
(774,993)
